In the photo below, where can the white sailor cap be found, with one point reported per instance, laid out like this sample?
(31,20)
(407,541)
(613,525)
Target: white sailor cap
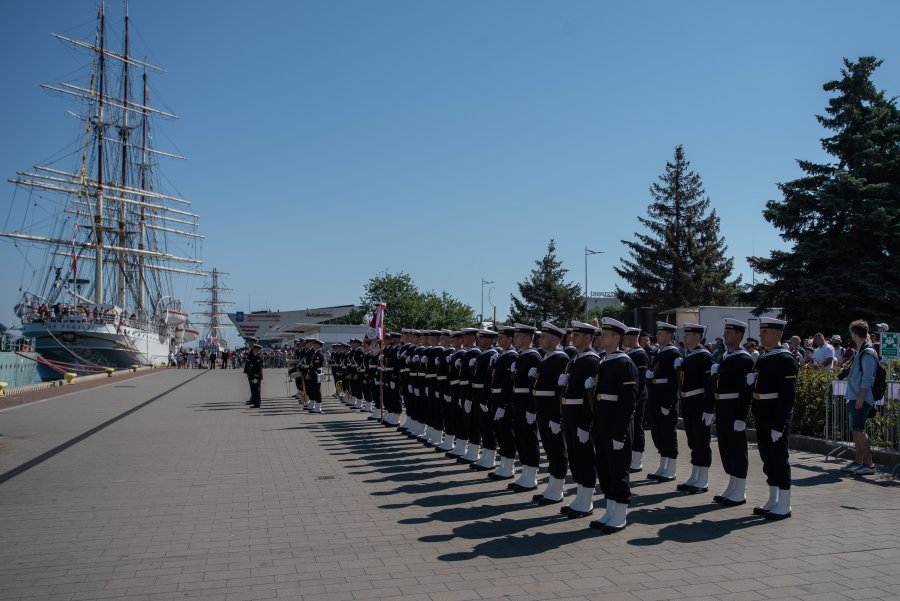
(734,324)
(552,328)
(663,325)
(446,332)
(469,331)
(770,323)
(583,328)
(633,332)
(694,328)
(522,328)
(883,327)
(507,330)
(487,333)
(608,323)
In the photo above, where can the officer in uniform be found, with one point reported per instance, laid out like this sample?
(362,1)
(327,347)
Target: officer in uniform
(460,390)
(732,405)
(471,429)
(434,423)
(354,362)
(482,415)
(404,382)
(524,372)
(639,356)
(663,402)
(455,411)
(444,439)
(315,364)
(577,385)
(615,398)
(774,381)
(697,406)
(501,403)
(547,400)
(298,380)
(254,370)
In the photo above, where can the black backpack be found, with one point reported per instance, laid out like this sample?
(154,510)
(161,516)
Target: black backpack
(879,387)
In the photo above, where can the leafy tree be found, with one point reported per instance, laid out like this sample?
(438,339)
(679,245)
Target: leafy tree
(681,261)
(614,311)
(841,218)
(407,307)
(545,295)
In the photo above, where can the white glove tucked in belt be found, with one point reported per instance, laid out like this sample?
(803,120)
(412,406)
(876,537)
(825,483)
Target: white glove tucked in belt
(751,378)
(707,418)
(530,417)
(714,369)
(649,374)
(563,380)
(532,372)
(740,425)
(555,428)
(583,436)
(618,446)
(589,383)
(776,435)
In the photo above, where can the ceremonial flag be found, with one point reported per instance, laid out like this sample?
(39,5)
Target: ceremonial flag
(376,327)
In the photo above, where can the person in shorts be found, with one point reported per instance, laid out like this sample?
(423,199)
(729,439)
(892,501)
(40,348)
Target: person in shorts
(859,397)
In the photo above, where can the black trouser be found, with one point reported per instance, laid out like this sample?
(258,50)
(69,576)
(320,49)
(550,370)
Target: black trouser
(437,406)
(526,437)
(732,445)
(774,455)
(662,429)
(472,427)
(696,431)
(612,465)
(638,443)
(581,455)
(554,444)
(433,409)
(505,433)
(446,411)
(314,389)
(255,395)
(356,388)
(299,384)
(485,421)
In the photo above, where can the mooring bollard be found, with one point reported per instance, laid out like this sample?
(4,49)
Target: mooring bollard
(109,372)
(69,377)
(3,387)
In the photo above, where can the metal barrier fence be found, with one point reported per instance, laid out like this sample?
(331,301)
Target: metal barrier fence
(883,429)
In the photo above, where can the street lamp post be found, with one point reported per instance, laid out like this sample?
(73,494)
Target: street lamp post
(587,252)
(483,282)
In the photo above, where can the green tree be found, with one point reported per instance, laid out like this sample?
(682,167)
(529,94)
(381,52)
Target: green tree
(407,307)
(842,218)
(545,295)
(680,261)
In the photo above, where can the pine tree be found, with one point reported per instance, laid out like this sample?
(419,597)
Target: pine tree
(545,295)
(842,218)
(681,261)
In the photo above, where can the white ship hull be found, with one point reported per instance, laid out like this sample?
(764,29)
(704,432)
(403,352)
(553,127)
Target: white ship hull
(90,344)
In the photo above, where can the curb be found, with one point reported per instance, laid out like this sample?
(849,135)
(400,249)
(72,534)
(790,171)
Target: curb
(62,383)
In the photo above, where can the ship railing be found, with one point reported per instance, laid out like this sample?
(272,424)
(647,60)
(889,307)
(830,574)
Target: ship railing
(83,315)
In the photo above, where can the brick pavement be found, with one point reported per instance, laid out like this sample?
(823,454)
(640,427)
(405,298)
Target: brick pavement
(197,496)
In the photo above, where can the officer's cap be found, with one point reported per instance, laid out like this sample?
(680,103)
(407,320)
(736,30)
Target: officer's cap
(583,328)
(694,328)
(770,323)
(608,323)
(734,324)
(521,328)
(551,328)
(662,325)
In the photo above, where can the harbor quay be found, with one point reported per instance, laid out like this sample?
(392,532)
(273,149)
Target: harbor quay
(168,486)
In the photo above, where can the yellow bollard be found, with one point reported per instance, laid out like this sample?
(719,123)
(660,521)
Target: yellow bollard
(134,368)
(70,377)
(109,372)
(3,387)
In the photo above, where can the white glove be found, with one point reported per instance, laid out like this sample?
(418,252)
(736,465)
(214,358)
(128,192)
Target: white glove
(426,391)
(751,378)
(417,391)
(707,418)
(415,358)
(409,387)
(498,415)
(530,417)
(532,372)
(563,380)
(555,428)
(678,362)
(393,385)
(583,436)
(458,363)
(493,358)
(714,369)
(512,368)
(739,425)
(437,360)
(471,362)
(649,374)
(618,446)
(467,406)
(664,410)
(424,361)
(255,381)
(776,435)
(589,383)
(483,407)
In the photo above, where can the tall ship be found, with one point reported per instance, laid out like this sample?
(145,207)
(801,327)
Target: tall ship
(110,239)
(18,361)
(214,324)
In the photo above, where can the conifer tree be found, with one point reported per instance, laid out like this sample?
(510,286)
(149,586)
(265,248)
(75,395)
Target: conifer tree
(681,260)
(545,295)
(842,218)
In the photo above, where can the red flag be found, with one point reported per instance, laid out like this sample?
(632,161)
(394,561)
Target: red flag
(376,327)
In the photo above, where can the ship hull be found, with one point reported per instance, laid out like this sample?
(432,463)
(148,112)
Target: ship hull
(18,369)
(83,346)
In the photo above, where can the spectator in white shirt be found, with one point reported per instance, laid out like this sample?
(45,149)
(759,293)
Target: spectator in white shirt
(838,350)
(823,356)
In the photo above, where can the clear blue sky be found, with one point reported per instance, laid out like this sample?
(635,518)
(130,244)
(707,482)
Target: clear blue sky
(331,140)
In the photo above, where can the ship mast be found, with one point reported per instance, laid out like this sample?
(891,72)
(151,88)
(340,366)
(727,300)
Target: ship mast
(144,166)
(124,133)
(98,215)
(214,323)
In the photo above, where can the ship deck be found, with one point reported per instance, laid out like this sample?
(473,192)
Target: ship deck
(166,486)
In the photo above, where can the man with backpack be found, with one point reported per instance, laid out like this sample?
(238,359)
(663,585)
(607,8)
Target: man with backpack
(865,385)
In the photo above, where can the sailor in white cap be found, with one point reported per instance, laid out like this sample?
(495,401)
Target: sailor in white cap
(733,396)
(642,362)
(615,397)
(501,404)
(524,372)
(663,401)
(774,382)
(697,406)
(454,444)
(482,416)
(547,402)
(577,385)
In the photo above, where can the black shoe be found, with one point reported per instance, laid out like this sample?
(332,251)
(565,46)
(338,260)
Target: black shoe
(650,476)
(635,470)
(760,511)
(664,479)
(607,529)
(573,514)
(695,490)
(519,488)
(718,499)
(480,468)
(684,487)
(545,501)
(494,476)
(729,503)
(255,406)
(777,516)
(597,525)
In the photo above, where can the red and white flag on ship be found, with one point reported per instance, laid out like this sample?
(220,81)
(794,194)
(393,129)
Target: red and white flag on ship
(376,327)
